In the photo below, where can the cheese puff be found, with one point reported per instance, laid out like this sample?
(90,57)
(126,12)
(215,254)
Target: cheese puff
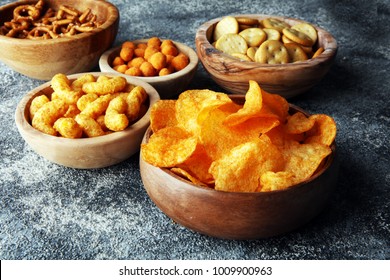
(109,86)
(117,61)
(85,100)
(100,121)
(115,119)
(97,107)
(37,103)
(141,46)
(164,72)
(62,88)
(134,101)
(136,62)
(139,52)
(180,61)
(169,49)
(147,69)
(128,44)
(90,127)
(154,41)
(68,128)
(149,51)
(134,71)
(45,117)
(158,60)
(102,78)
(121,68)
(126,54)
(166,42)
(78,83)
(72,111)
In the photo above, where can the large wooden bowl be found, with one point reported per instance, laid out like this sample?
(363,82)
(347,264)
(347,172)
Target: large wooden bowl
(168,86)
(84,153)
(239,215)
(42,59)
(288,79)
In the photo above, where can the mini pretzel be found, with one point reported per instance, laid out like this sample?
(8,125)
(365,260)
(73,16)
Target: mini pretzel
(26,12)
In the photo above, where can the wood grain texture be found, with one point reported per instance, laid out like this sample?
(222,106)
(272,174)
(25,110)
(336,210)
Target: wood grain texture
(235,215)
(84,153)
(42,59)
(287,80)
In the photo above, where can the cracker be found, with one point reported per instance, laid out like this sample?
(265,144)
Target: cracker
(319,51)
(295,52)
(272,52)
(226,25)
(275,24)
(298,37)
(308,29)
(251,53)
(253,36)
(272,34)
(241,56)
(247,21)
(231,43)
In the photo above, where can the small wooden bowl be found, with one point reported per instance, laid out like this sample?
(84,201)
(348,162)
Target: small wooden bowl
(84,153)
(168,86)
(239,215)
(42,59)
(288,79)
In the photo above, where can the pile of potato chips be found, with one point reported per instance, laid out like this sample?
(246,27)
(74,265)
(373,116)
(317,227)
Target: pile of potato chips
(212,140)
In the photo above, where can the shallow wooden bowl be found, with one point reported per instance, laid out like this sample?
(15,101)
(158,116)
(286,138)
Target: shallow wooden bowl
(42,59)
(168,86)
(84,153)
(239,215)
(287,80)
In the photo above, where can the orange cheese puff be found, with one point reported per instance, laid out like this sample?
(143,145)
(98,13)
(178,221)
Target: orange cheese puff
(154,41)
(45,117)
(166,42)
(164,71)
(121,68)
(134,101)
(107,86)
(149,51)
(62,88)
(136,62)
(97,107)
(147,69)
(170,50)
(68,128)
(128,44)
(134,71)
(158,60)
(37,103)
(180,61)
(139,52)
(115,119)
(90,127)
(126,54)
(141,46)
(117,61)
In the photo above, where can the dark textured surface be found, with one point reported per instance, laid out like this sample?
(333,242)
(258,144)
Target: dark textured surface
(52,212)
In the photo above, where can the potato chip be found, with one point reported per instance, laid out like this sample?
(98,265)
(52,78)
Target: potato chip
(298,123)
(240,169)
(324,130)
(169,147)
(302,160)
(272,181)
(186,175)
(163,114)
(191,102)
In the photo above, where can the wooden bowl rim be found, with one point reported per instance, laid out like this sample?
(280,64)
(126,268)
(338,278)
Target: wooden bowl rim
(194,60)
(328,53)
(24,124)
(187,184)
(113,16)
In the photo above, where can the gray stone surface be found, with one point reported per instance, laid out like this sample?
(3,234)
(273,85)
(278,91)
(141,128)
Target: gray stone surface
(52,212)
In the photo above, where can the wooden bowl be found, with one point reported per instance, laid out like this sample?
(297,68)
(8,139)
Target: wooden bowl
(42,59)
(168,86)
(239,215)
(84,153)
(288,79)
